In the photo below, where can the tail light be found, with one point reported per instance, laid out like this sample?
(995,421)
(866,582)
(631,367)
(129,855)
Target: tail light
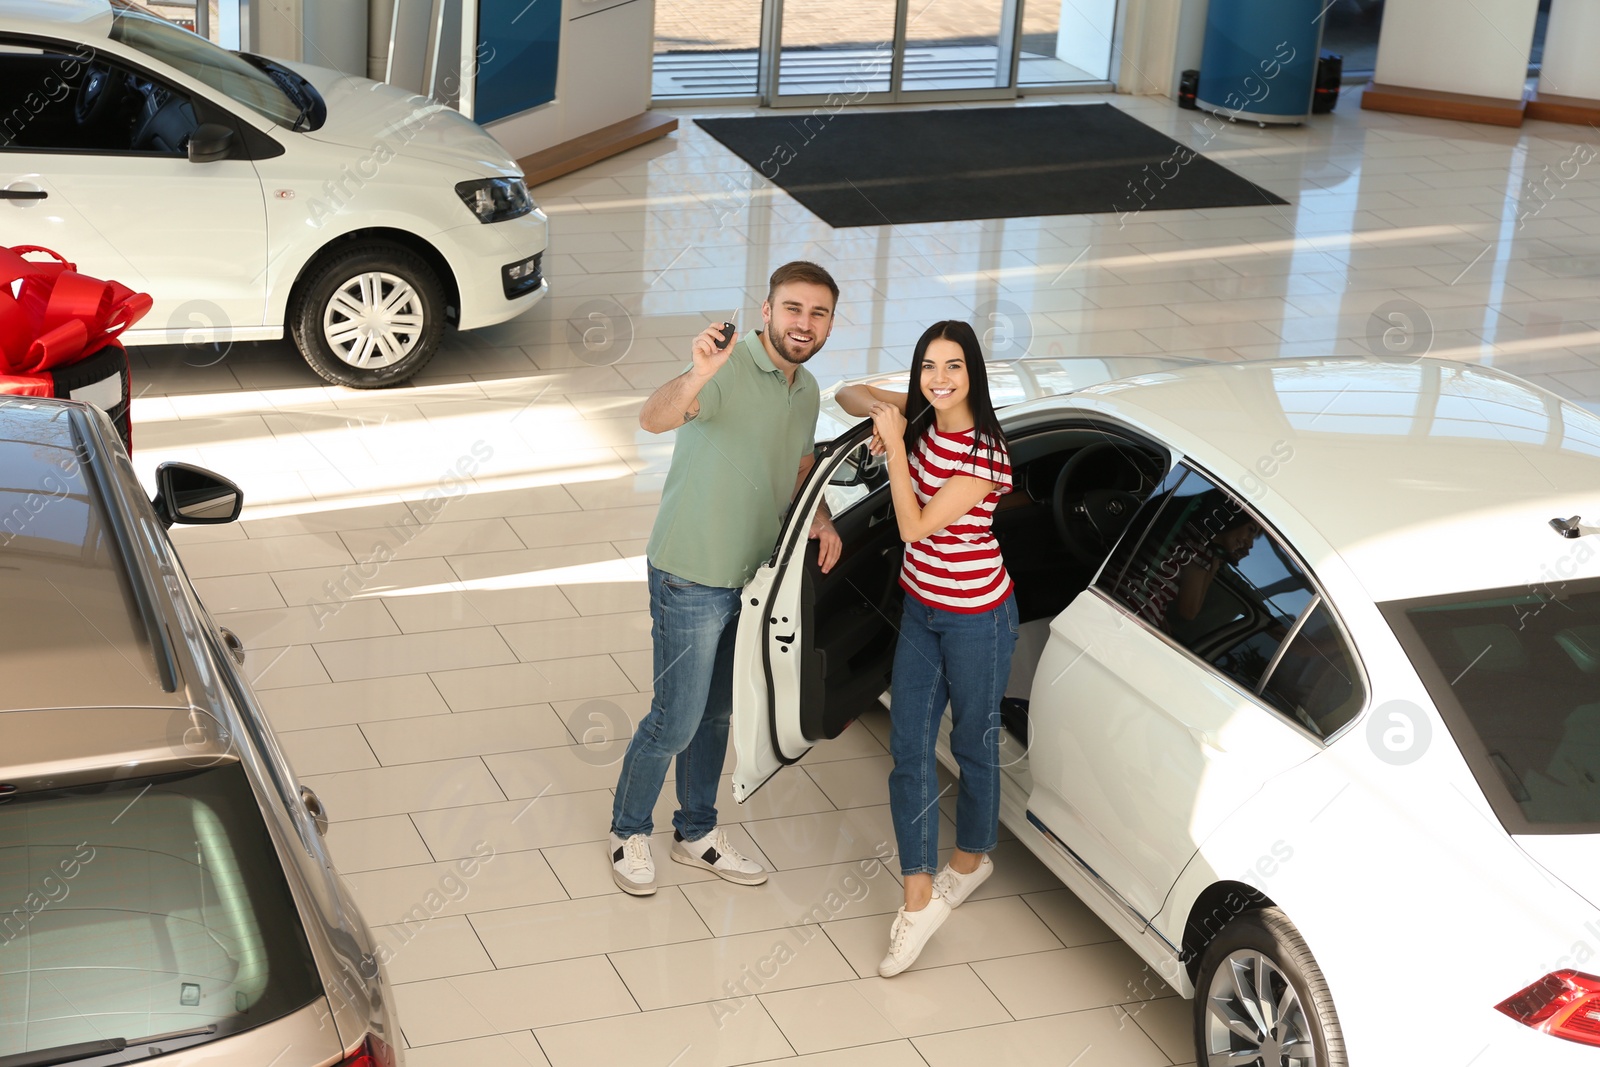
(372,1052)
(1564,1003)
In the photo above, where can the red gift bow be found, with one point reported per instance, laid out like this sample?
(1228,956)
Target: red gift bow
(57,315)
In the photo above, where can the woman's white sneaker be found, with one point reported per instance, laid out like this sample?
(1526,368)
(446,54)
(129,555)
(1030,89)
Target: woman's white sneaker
(910,932)
(956,887)
(632,866)
(714,853)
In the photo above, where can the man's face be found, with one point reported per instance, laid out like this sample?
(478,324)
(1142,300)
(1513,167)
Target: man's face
(1237,542)
(798,319)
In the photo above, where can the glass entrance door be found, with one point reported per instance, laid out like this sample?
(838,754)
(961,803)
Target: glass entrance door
(885,51)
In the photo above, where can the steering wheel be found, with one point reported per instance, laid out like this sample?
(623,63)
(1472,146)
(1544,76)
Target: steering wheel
(1089,521)
(98,94)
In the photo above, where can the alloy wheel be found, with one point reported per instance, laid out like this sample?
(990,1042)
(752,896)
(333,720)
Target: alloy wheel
(1254,1016)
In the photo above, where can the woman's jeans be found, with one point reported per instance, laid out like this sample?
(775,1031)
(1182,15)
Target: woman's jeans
(693,631)
(965,660)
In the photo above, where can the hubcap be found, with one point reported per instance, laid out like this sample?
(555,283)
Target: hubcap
(1254,1018)
(373,320)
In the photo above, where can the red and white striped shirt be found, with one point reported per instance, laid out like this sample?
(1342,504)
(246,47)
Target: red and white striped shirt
(959,568)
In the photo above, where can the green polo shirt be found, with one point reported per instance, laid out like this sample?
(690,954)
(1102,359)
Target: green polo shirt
(733,470)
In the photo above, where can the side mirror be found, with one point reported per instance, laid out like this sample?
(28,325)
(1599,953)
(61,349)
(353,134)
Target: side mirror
(195,496)
(860,469)
(210,142)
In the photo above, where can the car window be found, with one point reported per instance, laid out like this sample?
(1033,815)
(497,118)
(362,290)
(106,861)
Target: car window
(144,907)
(203,61)
(1207,574)
(1315,682)
(1516,675)
(54,100)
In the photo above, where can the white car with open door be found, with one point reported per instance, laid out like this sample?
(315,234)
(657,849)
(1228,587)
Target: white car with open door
(255,199)
(1347,800)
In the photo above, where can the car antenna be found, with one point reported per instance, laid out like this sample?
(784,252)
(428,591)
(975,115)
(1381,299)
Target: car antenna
(1573,527)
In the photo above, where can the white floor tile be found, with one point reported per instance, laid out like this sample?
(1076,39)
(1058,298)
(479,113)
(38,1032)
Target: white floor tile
(566,929)
(1098,1038)
(730,967)
(696,1035)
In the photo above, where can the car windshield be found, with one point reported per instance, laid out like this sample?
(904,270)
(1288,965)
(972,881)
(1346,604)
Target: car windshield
(1516,675)
(203,61)
(141,908)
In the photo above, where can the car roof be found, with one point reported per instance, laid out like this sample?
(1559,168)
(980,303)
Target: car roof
(49,16)
(1425,476)
(74,632)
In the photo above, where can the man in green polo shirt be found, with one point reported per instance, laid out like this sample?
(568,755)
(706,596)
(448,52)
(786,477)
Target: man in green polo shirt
(748,419)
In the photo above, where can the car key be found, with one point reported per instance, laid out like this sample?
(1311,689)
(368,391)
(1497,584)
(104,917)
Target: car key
(727,335)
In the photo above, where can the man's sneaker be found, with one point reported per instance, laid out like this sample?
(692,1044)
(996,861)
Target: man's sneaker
(713,853)
(910,932)
(956,887)
(632,867)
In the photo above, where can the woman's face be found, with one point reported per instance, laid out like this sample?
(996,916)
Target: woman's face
(944,375)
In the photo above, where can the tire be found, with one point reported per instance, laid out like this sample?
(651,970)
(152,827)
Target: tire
(1264,947)
(364,275)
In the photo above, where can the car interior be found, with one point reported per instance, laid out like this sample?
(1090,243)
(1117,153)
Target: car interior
(1077,489)
(56,101)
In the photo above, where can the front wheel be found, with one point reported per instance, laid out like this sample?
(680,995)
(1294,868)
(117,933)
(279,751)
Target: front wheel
(1261,999)
(369,315)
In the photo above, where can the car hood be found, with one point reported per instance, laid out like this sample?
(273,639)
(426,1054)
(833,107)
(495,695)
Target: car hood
(1573,858)
(1013,381)
(370,116)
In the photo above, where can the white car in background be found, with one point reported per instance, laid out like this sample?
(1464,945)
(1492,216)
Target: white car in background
(253,198)
(1350,803)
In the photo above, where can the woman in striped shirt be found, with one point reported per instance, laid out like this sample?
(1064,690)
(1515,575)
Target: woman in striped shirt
(948,467)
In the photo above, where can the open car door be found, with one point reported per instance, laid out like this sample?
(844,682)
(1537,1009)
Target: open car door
(814,650)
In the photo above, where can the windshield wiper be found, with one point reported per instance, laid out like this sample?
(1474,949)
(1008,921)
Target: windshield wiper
(47,1057)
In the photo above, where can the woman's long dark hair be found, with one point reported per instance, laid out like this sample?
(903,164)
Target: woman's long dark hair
(919,413)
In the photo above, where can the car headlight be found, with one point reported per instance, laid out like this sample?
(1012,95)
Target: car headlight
(495,199)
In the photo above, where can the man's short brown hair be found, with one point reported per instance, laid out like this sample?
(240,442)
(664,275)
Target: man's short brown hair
(802,270)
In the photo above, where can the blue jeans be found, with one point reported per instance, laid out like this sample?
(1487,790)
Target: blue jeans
(692,629)
(965,660)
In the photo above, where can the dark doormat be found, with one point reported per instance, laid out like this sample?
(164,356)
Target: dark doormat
(896,167)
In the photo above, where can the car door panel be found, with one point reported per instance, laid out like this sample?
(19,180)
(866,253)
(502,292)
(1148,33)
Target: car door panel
(1140,751)
(813,650)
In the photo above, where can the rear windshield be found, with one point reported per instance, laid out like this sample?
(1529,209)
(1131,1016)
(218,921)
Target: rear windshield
(1516,675)
(148,908)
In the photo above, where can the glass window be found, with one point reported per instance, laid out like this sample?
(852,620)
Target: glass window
(205,62)
(1207,574)
(1315,682)
(1516,675)
(143,908)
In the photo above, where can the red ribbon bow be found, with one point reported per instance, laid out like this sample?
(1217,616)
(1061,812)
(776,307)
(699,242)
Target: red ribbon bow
(56,315)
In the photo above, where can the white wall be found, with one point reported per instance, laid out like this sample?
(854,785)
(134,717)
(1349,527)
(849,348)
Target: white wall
(1161,39)
(602,76)
(1084,34)
(1478,48)
(1569,67)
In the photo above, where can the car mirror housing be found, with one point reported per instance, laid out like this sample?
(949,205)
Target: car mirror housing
(194,496)
(210,142)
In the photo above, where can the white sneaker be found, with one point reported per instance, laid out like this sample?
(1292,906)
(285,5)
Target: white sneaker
(956,887)
(632,866)
(910,932)
(714,853)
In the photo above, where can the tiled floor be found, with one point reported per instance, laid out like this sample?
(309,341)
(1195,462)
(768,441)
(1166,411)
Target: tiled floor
(441,585)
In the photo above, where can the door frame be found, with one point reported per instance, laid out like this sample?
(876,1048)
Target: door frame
(769,65)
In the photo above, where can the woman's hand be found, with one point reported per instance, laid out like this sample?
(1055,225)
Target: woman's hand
(888,425)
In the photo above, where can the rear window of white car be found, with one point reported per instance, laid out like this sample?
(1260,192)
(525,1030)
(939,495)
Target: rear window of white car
(147,908)
(1515,674)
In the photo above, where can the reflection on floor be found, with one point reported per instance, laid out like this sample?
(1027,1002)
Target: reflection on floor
(441,585)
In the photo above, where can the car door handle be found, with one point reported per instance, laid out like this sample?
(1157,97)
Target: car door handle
(23,194)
